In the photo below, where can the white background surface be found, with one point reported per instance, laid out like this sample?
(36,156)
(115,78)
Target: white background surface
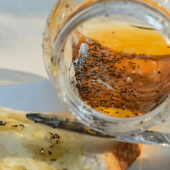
(22,23)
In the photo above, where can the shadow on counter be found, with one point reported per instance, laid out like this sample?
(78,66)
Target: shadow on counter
(11,77)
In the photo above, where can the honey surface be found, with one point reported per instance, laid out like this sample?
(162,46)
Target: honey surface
(125,72)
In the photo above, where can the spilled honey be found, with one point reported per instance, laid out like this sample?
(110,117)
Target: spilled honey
(125,69)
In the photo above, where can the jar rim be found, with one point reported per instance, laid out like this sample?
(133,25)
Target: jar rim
(89,115)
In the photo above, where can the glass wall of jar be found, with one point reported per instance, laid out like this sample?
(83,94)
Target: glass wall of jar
(108,61)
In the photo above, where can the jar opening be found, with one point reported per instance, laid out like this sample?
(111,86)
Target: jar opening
(146,15)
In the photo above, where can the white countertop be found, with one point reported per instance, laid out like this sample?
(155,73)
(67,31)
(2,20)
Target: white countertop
(22,24)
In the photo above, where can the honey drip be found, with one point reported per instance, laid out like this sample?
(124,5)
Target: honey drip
(122,71)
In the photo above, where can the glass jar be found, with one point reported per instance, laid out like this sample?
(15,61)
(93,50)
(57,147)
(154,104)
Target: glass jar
(68,24)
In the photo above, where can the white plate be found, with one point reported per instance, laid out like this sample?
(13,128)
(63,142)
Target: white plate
(41,97)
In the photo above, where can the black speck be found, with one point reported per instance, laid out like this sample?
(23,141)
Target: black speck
(57,136)
(67,5)
(52,60)
(136,114)
(51,146)
(14,125)
(50,153)
(2,124)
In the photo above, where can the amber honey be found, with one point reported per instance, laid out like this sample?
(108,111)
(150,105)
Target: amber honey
(126,72)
